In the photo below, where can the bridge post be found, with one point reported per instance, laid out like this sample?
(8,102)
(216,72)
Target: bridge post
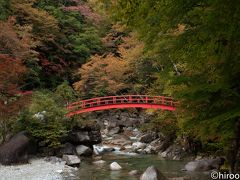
(83,104)
(163,100)
(130,99)
(154,100)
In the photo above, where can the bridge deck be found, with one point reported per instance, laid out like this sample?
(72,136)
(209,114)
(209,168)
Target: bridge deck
(125,101)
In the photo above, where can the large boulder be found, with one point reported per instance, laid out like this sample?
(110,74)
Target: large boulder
(152,173)
(71,160)
(16,150)
(204,165)
(84,150)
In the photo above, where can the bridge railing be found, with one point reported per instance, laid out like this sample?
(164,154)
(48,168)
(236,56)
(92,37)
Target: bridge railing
(124,99)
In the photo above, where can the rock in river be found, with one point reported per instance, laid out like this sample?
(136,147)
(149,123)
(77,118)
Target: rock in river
(133,172)
(115,166)
(100,162)
(204,165)
(152,173)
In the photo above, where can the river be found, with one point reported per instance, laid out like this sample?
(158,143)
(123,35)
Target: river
(170,168)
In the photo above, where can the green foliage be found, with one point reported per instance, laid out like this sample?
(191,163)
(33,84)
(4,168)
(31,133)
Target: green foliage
(196,44)
(44,119)
(86,43)
(65,93)
(4,9)
(164,122)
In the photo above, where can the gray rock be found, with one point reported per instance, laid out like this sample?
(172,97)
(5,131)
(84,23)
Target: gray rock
(53,159)
(120,142)
(163,154)
(147,138)
(69,149)
(113,131)
(84,150)
(204,165)
(96,158)
(95,152)
(71,160)
(115,166)
(108,149)
(138,145)
(113,123)
(149,149)
(99,162)
(152,173)
(174,151)
(85,135)
(133,172)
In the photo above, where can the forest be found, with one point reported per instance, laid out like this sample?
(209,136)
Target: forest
(55,52)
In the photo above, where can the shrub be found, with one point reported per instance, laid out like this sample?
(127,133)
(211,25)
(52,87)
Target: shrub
(45,119)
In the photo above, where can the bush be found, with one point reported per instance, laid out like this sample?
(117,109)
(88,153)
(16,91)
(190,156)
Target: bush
(45,119)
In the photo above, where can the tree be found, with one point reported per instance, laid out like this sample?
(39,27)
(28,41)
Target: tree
(102,76)
(11,103)
(44,26)
(10,43)
(65,93)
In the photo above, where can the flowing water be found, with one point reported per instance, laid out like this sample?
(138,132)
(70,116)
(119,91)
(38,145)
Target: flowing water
(90,171)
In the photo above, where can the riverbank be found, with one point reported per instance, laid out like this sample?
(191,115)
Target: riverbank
(38,169)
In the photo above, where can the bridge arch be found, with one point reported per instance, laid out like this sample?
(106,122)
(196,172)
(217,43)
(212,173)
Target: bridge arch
(124,101)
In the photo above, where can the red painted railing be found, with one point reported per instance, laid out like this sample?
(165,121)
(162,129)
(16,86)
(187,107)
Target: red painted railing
(124,101)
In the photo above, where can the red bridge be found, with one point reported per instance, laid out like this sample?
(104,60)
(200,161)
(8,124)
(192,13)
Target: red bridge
(125,101)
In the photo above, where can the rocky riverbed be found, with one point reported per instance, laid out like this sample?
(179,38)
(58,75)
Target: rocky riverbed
(112,148)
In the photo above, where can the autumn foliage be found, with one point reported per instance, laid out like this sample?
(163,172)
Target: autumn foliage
(10,102)
(102,75)
(112,73)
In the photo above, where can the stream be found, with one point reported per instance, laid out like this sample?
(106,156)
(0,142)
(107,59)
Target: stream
(170,168)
